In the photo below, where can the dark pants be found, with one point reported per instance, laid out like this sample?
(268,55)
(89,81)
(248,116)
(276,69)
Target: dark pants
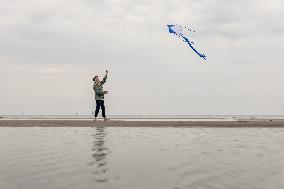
(100,104)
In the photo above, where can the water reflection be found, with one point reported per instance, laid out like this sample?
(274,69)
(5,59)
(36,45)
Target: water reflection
(100,152)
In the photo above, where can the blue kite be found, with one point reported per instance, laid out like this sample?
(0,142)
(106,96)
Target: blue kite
(178,30)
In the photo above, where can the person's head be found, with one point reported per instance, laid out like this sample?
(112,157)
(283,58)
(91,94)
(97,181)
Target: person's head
(96,79)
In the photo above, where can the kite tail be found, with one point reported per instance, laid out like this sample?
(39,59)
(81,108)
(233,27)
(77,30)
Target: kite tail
(203,56)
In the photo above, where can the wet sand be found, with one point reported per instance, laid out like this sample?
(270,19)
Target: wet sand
(139,123)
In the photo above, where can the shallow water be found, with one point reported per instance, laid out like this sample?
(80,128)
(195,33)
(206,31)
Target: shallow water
(131,158)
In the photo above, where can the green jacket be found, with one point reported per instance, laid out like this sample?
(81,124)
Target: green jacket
(98,88)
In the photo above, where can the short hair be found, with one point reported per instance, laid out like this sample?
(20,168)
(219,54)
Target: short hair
(94,79)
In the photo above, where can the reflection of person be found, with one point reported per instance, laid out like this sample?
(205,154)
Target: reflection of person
(100,152)
(98,88)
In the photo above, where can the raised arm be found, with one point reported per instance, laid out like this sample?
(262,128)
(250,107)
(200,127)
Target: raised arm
(104,79)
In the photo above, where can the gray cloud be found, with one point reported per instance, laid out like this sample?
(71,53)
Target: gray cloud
(50,50)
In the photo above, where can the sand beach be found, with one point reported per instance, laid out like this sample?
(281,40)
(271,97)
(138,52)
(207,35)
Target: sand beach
(139,123)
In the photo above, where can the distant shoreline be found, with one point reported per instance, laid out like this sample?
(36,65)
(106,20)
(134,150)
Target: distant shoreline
(138,123)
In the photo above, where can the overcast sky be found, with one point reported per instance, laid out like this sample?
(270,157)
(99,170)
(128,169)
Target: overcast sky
(50,50)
